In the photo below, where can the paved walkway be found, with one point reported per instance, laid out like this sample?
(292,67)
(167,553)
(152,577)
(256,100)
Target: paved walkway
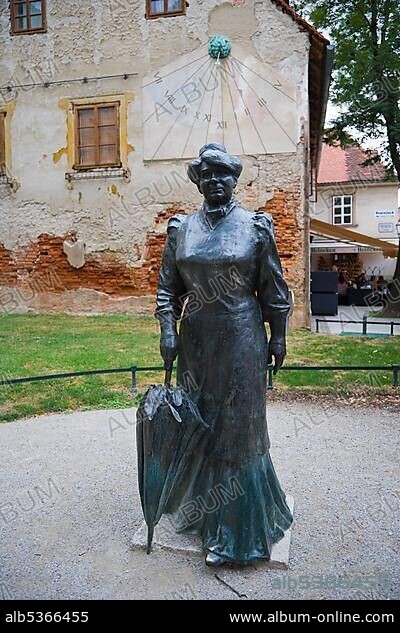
(353,313)
(69,507)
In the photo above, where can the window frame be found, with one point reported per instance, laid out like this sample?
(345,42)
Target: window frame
(342,206)
(95,106)
(28,31)
(3,160)
(165,14)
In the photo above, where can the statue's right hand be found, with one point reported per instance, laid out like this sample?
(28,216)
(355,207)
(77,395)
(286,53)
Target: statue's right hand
(169,347)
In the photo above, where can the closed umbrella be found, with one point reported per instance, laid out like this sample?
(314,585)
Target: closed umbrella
(168,430)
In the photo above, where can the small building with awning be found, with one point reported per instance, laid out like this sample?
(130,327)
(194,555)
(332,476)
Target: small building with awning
(353,222)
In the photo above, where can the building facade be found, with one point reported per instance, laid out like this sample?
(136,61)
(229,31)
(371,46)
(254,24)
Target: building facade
(361,199)
(102,104)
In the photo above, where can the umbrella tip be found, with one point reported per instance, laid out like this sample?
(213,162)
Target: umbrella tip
(150,532)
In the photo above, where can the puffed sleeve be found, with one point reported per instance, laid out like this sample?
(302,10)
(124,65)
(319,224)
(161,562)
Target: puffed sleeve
(170,287)
(272,290)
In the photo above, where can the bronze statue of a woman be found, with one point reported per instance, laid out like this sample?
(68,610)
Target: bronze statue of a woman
(221,277)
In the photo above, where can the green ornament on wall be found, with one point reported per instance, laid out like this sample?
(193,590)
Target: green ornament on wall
(219,47)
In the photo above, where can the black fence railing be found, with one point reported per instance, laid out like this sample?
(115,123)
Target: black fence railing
(394,369)
(134,369)
(364,323)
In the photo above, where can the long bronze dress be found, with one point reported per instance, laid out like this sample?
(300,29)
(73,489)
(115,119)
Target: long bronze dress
(227,273)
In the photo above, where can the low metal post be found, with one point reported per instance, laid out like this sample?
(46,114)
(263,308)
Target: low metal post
(364,328)
(270,377)
(396,369)
(317,326)
(391,328)
(133,385)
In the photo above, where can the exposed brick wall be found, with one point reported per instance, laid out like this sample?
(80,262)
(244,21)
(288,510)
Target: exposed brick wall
(148,277)
(284,207)
(8,271)
(31,266)
(162,217)
(291,236)
(44,266)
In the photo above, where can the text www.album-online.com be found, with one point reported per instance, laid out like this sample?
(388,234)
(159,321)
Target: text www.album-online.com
(337,617)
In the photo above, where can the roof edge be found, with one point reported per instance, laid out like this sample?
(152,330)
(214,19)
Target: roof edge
(359,182)
(301,21)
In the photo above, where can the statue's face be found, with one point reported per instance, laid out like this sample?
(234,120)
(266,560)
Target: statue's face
(216,184)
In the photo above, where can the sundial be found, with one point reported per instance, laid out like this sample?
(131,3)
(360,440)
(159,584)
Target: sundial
(218,93)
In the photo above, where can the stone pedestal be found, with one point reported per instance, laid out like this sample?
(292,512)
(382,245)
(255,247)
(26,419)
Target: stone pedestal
(166,538)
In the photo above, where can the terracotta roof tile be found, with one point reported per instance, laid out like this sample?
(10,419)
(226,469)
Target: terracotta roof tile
(345,165)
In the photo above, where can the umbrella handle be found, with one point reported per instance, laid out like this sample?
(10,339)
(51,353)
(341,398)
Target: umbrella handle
(168,375)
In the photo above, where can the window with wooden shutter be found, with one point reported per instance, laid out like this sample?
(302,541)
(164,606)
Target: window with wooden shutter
(28,16)
(2,144)
(164,8)
(97,136)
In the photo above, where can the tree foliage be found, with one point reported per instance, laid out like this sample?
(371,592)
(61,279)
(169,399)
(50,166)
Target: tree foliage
(366,80)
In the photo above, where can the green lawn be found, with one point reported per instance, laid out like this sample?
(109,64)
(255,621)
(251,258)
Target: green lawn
(39,344)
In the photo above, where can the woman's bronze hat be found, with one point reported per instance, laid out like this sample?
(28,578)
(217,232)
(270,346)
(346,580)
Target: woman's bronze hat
(214,154)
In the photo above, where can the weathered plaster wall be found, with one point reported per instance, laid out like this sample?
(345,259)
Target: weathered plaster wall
(122,223)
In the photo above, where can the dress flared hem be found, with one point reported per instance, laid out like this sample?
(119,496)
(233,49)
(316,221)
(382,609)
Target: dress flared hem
(238,510)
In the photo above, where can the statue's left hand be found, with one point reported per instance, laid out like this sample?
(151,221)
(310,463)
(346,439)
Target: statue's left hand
(169,344)
(277,350)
